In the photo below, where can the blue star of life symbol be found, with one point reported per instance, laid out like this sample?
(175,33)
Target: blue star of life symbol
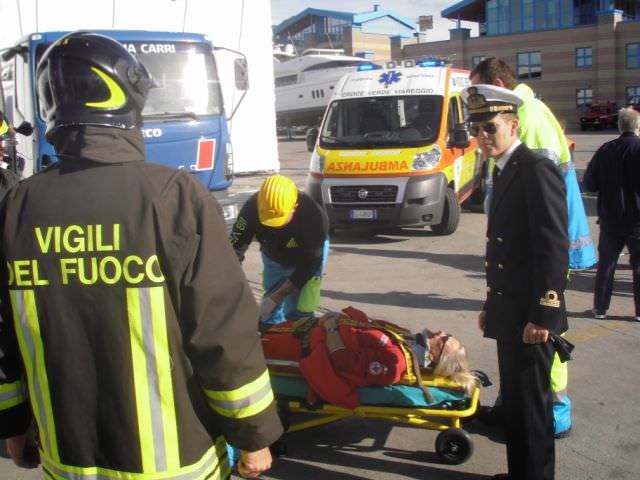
(390,77)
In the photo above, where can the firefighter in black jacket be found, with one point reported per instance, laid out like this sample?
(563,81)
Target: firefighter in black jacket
(129,327)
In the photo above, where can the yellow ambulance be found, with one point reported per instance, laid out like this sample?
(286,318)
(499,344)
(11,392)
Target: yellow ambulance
(393,149)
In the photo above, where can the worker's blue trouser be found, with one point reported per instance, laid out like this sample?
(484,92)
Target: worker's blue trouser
(300,303)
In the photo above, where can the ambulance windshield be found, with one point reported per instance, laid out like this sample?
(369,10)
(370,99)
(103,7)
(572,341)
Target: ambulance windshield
(382,121)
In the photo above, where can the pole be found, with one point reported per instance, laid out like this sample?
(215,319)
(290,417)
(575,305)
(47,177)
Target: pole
(184,18)
(19,17)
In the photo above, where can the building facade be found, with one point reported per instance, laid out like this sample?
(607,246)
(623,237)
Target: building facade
(367,35)
(572,53)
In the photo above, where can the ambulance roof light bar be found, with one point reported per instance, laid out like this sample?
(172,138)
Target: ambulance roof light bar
(365,67)
(431,62)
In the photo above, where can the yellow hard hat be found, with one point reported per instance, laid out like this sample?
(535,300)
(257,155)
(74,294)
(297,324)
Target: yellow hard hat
(276,200)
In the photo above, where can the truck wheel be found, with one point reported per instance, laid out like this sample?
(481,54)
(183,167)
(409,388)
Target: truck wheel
(450,215)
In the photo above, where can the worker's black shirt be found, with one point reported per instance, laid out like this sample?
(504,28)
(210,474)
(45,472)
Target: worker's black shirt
(298,244)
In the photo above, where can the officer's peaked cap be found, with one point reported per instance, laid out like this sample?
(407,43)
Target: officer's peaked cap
(486,101)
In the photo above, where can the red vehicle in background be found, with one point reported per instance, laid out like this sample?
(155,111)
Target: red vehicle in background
(600,116)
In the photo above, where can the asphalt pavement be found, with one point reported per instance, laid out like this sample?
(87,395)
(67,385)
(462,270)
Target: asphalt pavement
(415,278)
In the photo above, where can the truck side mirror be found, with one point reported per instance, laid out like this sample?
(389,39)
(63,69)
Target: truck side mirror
(241,73)
(25,128)
(460,137)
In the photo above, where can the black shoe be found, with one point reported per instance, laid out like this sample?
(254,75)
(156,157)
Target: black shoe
(492,416)
(564,434)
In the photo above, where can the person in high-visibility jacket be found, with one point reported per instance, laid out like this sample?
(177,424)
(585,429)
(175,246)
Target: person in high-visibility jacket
(541,132)
(4,126)
(128,328)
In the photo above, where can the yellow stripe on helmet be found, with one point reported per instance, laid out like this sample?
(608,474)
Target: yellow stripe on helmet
(116,99)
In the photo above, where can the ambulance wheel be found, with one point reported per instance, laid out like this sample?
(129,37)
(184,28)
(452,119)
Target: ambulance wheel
(450,215)
(454,446)
(475,202)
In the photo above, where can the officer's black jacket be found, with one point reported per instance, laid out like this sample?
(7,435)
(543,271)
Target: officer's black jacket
(527,245)
(136,325)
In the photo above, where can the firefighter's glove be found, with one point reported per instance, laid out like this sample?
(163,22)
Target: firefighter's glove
(267,306)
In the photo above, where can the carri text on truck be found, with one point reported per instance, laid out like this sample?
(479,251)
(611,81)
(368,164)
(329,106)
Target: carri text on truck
(185,125)
(393,149)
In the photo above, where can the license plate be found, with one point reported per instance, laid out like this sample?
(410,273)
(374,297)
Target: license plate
(362,214)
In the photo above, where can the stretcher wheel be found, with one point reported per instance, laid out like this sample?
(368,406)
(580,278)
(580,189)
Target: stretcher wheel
(454,446)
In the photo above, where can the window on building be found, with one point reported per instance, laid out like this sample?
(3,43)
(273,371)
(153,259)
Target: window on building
(633,55)
(334,28)
(529,65)
(552,14)
(633,95)
(584,97)
(476,59)
(583,57)
(527,15)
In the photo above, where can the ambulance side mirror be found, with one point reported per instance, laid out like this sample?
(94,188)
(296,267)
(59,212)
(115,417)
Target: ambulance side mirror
(459,137)
(311,138)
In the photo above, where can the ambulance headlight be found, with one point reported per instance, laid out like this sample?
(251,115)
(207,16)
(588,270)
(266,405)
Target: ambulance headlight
(316,164)
(427,160)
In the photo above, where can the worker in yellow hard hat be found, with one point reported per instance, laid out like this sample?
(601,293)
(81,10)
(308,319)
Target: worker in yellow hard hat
(293,232)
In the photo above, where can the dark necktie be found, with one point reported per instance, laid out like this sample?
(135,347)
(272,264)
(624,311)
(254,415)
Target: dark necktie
(494,175)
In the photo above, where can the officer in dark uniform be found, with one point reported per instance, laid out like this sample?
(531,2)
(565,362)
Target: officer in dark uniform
(526,265)
(132,320)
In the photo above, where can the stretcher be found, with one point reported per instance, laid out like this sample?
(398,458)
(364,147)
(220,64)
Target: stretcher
(400,403)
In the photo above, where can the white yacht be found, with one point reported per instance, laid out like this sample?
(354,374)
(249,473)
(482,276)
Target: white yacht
(304,83)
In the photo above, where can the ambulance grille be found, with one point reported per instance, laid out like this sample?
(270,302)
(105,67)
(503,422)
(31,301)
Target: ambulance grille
(363,193)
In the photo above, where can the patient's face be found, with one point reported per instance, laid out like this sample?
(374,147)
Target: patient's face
(442,343)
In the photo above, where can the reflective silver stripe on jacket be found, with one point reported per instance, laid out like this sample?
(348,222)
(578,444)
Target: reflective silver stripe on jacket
(214,465)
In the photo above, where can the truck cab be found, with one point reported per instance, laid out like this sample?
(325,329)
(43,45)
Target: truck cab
(393,149)
(185,125)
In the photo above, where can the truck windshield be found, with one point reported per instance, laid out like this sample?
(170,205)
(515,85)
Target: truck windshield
(185,74)
(186,78)
(382,121)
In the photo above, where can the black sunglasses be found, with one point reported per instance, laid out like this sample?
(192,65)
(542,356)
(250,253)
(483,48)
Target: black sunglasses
(488,127)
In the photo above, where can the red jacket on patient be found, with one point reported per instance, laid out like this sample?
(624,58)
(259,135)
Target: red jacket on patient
(370,357)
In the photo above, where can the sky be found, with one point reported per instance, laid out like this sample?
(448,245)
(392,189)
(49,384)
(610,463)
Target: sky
(411,9)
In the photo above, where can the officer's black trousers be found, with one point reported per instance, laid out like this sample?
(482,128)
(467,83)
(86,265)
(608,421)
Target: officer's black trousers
(525,377)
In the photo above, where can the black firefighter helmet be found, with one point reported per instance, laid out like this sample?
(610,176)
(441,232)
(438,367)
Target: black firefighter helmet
(89,79)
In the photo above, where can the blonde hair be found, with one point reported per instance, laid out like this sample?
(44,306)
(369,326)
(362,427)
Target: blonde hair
(455,367)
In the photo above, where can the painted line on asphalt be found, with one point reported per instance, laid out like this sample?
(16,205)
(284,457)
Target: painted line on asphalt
(604,328)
